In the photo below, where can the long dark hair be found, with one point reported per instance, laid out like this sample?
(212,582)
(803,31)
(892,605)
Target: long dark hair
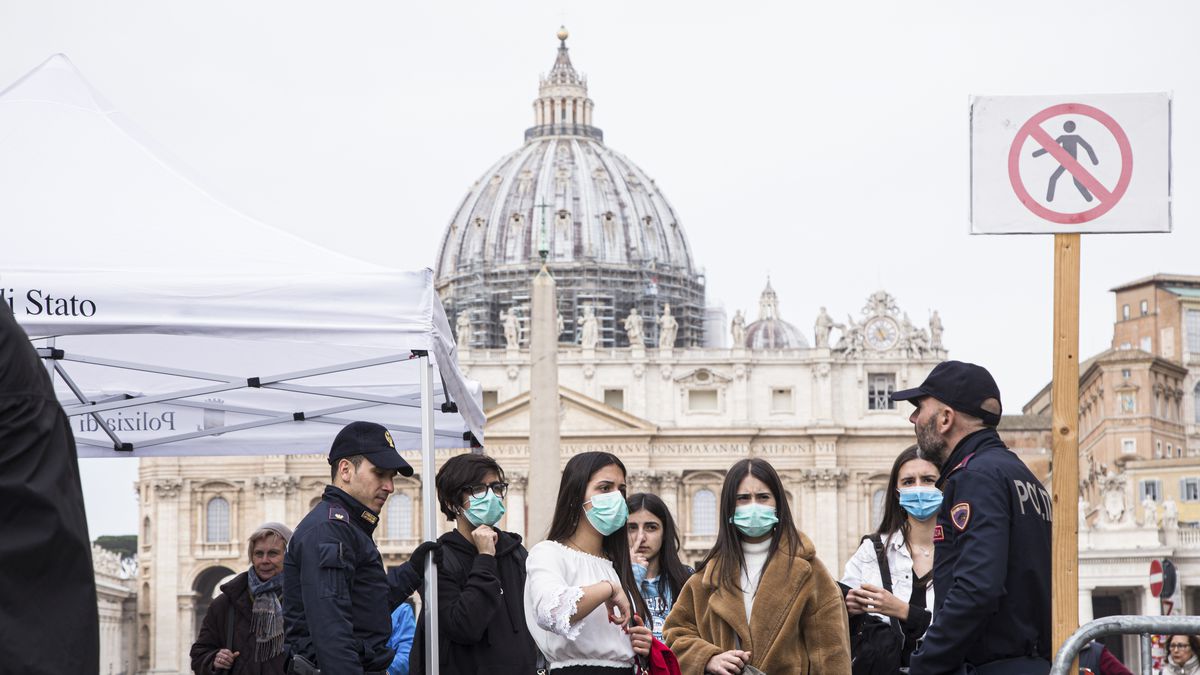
(895,518)
(727,552)
(668,555)
(569,509)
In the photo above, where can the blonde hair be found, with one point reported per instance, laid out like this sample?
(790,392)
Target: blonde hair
(267,530)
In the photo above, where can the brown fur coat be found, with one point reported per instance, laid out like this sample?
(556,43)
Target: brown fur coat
(798,625)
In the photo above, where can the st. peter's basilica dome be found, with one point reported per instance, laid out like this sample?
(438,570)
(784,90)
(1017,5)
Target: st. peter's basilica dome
(608,234)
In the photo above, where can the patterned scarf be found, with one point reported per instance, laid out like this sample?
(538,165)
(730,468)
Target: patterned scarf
(267,621)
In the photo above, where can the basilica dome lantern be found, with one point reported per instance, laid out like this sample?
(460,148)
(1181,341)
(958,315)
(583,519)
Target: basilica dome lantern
(606,231)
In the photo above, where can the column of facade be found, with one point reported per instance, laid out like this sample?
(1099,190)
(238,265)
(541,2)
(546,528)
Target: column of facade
(273,492)
(826,480)
(1085,605)
(668,490)
(186,608)
(164,657)
(515,515)
(822,391)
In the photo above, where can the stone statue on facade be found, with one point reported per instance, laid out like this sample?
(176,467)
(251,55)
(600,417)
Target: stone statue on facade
(1083,513)
(822,328)
(589,331)
(852,340)
(512,330)
(1149,513)
(561,324)
(633,327)
(1114,512)
(737,330)
(935,331)
(1170,518)
(463,326)
(667,327)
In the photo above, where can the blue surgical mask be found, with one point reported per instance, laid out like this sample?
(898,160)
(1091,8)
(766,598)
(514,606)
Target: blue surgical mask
(608,513)
(921,502)
(754,520)
(485,510)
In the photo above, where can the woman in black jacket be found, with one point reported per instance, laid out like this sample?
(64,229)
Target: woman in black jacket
(242,633)
(481,577)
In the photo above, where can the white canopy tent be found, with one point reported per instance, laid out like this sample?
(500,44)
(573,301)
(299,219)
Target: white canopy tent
(177,325)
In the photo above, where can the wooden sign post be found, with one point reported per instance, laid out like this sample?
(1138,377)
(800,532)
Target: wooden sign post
(1065,166)
(1064,400)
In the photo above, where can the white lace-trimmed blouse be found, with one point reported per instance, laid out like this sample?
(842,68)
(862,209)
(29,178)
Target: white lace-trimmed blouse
(555,577)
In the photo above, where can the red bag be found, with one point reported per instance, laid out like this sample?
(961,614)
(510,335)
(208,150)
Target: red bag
(661,660)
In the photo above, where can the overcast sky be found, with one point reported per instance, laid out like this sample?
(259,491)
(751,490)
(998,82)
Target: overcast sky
(824,144)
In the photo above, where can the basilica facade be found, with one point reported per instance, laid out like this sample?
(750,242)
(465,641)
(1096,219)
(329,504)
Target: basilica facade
(644,372)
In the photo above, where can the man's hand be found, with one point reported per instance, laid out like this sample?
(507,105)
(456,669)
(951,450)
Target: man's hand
(420,555)
(224,659)
(728,663)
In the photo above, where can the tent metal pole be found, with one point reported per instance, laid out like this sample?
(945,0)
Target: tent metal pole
(429,517)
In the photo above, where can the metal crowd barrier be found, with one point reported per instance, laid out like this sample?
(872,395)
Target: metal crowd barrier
(1145,626)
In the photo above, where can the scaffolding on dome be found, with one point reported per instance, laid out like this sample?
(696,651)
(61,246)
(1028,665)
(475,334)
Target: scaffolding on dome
(487,294)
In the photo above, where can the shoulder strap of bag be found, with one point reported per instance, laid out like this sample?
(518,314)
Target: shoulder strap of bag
(229,627)
(885,572)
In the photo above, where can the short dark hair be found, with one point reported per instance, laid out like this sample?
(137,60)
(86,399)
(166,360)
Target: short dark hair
(457,473)
(355,460)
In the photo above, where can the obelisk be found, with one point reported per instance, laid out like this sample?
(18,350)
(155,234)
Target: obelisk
(544,472)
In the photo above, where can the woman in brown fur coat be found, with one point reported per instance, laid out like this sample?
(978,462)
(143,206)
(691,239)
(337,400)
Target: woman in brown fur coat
(761,598)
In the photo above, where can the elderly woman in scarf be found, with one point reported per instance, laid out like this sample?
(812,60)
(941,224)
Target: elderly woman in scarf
(243,629)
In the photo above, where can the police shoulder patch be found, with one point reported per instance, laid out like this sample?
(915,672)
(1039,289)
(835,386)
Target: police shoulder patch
(960,515)
(336,512)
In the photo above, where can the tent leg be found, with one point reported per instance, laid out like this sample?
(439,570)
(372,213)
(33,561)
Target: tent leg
(429,515)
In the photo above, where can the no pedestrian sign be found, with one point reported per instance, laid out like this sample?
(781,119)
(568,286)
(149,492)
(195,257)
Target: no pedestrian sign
(1050,164)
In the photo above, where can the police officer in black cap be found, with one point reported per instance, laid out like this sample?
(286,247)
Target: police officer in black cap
(991,570)
(335,592)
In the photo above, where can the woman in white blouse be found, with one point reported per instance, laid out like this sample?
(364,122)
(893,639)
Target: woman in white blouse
(581,602)
(906,531)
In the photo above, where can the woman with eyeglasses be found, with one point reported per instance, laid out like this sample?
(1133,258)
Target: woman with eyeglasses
(1183,655)
(481,577)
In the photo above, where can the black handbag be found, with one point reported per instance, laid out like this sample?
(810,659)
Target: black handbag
(876,646)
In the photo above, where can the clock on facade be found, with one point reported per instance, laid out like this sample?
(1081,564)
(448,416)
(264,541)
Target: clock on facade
(882,333)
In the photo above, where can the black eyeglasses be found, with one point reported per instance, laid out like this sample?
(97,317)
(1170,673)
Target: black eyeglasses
(1179,645)
(478,491)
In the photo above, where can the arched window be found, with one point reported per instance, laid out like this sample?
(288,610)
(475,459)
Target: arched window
(704,513)
(1196,399)
(217,521)
(399,517)
(146,531)
(877,508)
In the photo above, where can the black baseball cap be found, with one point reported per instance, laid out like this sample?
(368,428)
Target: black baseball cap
(962,386)
(372,441)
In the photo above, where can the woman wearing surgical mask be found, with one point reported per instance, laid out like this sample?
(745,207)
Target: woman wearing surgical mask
(906,532)
(481,577)
(581,601)
(761,600)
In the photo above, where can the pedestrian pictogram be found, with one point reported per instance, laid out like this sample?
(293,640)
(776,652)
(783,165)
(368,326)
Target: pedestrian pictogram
(1064,150)
(1071,164)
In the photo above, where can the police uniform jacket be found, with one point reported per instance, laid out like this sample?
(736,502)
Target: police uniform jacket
(991,561)
(335,591)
